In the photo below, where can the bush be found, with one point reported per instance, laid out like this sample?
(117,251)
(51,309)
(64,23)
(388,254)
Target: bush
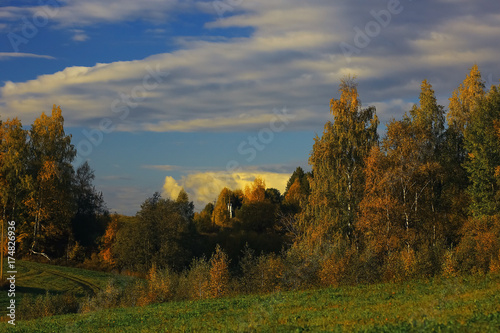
(479,246)
(109,297)
(449,263)
(197,280)
(47,305)
(161,286)
(219,273)
(301,267)
(261,274)
(393,268)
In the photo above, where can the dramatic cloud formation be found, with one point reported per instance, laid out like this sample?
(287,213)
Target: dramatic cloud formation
(295,57)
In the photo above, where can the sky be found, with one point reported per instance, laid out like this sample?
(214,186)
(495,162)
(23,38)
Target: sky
(160,95)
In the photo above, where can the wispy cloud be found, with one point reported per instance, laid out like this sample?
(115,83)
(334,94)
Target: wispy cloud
(11,55)
(75,13)
(162,167)
(79,35)
(116,177)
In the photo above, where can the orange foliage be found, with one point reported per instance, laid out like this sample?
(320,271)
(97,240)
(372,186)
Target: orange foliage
(294,194)
(108,240)
(257,191)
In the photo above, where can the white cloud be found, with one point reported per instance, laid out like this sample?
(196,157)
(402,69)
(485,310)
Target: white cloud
(10,55)
(75,13)
(204,187)
(292,59)
(171,189)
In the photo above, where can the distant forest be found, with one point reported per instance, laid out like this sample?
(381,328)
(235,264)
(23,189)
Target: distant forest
(421,201)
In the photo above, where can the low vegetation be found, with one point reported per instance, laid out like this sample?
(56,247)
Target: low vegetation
(45,290)
(448,305)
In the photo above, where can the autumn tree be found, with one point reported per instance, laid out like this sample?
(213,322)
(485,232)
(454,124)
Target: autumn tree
(221,214)
(412,148)
(483,147)
(255,192)
(337,161)
(13,162)
(378,225)
(49,175)
(106,253)
(297,191)
(219,273)
(465,100)
(258,211)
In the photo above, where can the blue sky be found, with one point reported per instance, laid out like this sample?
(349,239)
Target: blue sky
(206,94)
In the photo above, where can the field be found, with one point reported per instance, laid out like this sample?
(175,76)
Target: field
(38,279)
(467,304)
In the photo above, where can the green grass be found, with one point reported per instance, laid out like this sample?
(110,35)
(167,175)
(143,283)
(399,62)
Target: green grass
(37,279)
(469,304)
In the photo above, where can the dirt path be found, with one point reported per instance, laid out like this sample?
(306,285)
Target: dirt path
(90,287)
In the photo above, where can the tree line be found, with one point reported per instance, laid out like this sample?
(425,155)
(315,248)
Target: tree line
(421,201)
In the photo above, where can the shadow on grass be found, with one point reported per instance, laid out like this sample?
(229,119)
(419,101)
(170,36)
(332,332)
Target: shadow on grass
(41,291)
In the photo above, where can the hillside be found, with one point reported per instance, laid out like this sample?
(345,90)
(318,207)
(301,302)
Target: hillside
(37,279)
(469,304)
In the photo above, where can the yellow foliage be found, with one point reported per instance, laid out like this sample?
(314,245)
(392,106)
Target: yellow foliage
(449,265)
(219,273)
(495,264)
(409,261)
(257,192)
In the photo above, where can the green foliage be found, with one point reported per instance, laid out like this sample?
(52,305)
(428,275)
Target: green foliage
(91,217)
(303,180)
(482,144)
(157,237)
(47,305)
(204,220)
(257,216)
(262,274)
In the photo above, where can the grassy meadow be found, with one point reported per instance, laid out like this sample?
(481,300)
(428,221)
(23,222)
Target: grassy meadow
(458,304)
(36,279)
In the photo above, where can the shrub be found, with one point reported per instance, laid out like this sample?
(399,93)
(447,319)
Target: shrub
(109,297)
(393,269)
(219,273)
(301,267)
(197,280)
(449,263)
(47,305)
(161,286)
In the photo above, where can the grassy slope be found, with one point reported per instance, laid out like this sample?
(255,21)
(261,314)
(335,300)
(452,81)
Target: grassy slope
(36,279)
(453,305)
